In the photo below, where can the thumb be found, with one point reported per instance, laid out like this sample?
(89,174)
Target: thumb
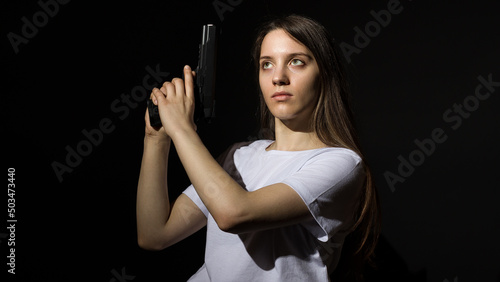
(157,96)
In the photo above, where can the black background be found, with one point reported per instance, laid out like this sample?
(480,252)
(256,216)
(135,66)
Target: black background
(442,223)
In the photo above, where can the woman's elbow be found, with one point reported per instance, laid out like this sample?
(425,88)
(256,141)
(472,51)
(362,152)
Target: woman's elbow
(231,222)
(226,225)
(149,244)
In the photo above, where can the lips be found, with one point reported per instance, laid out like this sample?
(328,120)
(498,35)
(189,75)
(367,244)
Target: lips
(281,96)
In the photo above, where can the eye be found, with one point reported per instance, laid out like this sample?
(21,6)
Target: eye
(266,65)
(296,62)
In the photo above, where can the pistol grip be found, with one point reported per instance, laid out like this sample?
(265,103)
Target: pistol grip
(154,115)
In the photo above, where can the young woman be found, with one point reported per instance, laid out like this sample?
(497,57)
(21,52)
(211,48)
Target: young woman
(279,209)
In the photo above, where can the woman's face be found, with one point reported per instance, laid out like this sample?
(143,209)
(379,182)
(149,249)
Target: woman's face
(288,77)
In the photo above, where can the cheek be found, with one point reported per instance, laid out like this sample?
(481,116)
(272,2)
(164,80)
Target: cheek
(264,88)
(310,87)
(265,81)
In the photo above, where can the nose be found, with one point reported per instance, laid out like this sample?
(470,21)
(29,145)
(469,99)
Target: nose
(280,76)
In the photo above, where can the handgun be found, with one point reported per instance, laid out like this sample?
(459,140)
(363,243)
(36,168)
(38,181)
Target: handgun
(205,79)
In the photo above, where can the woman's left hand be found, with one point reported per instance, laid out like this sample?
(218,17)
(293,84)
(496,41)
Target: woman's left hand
(176,103)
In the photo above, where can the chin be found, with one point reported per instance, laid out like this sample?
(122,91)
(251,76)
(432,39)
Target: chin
(283,115)
(292,116)
(286,118)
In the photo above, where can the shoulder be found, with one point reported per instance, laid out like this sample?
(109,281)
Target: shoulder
(337,154)
(324,155)
(245,147)
(257,145)
(334,162)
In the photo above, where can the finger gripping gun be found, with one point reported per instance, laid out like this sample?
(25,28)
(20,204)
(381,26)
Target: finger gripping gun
(205,80)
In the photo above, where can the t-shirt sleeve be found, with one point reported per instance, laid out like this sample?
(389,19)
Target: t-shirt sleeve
(193,195)
(330,184)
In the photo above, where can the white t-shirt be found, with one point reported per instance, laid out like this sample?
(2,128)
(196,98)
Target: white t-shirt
(329,180)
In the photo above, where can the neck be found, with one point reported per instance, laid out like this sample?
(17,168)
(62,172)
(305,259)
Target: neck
(293,137)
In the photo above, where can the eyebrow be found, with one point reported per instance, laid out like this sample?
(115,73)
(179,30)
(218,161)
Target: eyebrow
(289,55)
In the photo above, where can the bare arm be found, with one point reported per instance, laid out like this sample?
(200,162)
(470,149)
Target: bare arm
(160,224)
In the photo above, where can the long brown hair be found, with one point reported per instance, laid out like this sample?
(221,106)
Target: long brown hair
(332,122)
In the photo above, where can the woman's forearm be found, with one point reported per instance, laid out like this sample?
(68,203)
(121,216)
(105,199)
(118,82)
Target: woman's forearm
(153,206)
(221,194)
